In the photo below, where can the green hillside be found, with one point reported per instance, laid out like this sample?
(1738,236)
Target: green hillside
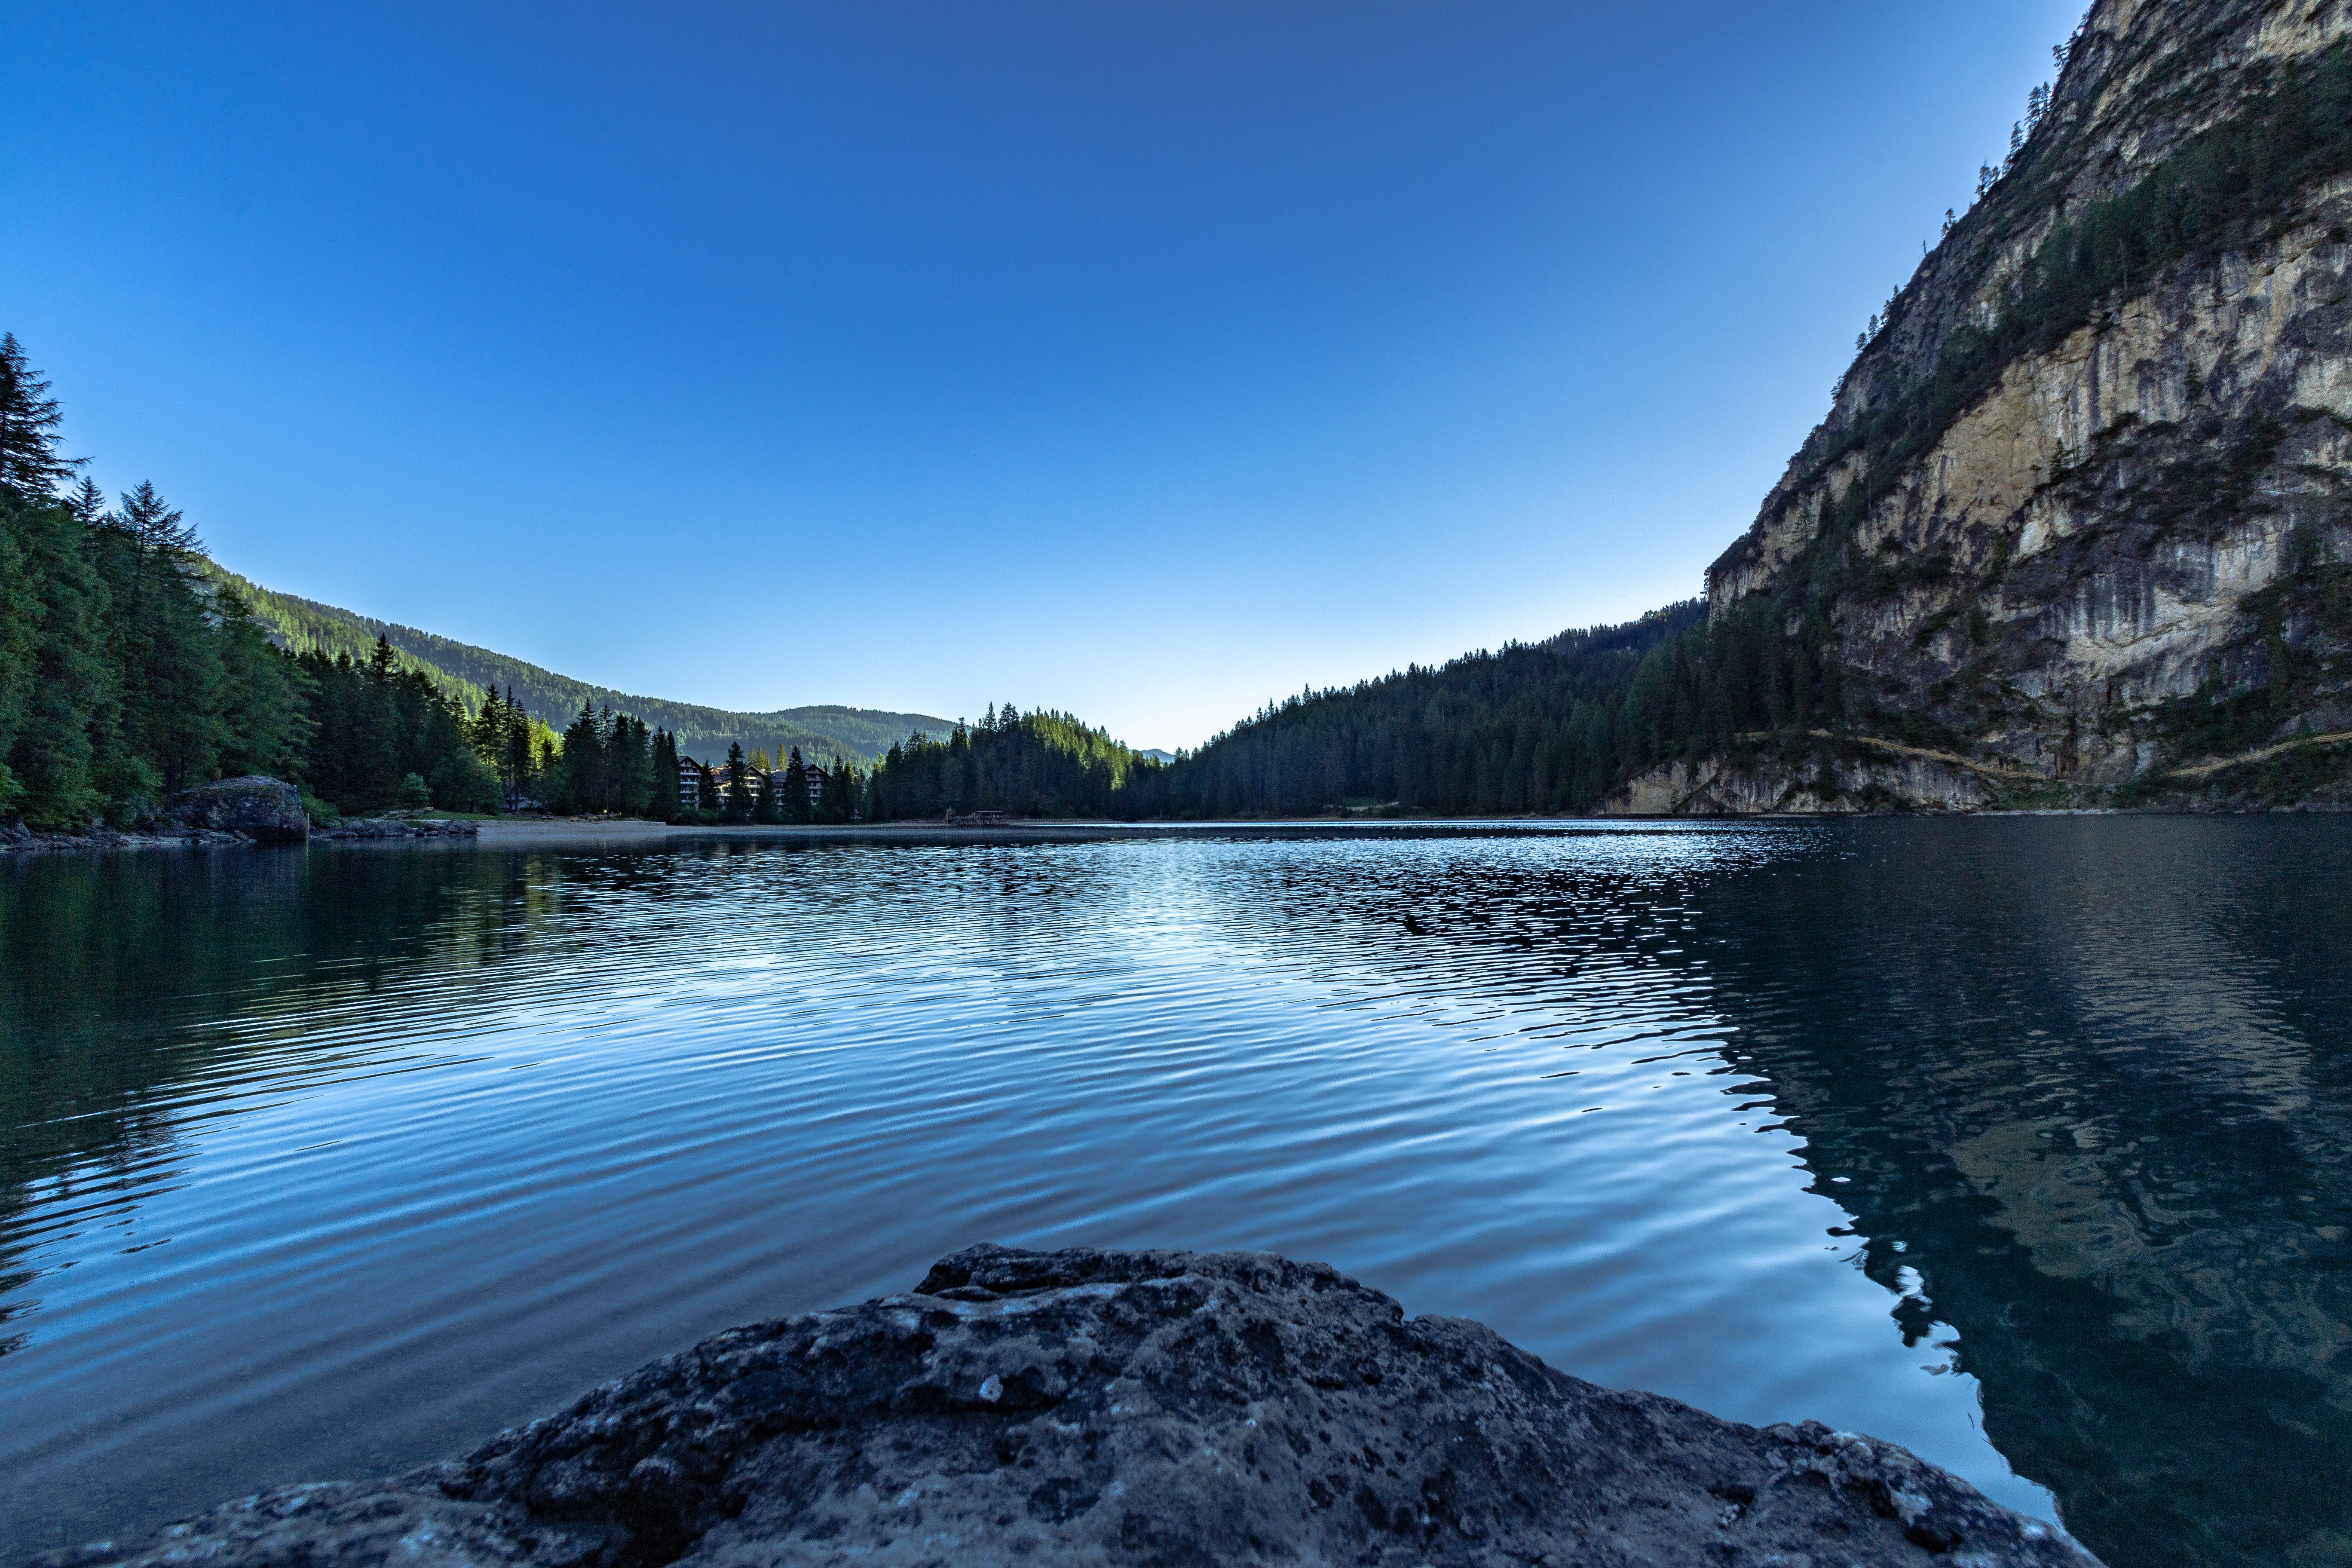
(466,671)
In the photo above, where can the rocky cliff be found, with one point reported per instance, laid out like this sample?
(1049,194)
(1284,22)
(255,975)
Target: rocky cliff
(1123,1407)
(2077,526)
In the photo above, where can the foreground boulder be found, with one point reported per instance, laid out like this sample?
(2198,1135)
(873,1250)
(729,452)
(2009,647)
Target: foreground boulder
(1126,1407)
(252,807)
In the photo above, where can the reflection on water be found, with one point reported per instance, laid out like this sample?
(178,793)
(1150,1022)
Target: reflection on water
(2021,1143)
(2090,1083)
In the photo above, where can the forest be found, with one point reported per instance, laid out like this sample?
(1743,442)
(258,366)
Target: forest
(1037,764)
(127,673)
(130,669)
(1549,727)
(469,673)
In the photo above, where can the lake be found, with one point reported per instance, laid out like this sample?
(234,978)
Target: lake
(2024,1143)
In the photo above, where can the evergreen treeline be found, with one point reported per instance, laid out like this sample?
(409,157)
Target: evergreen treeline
(470,674)
(121,680)
(130,670)
(381,736)
(1548,727)
(609,762)
(1039,764)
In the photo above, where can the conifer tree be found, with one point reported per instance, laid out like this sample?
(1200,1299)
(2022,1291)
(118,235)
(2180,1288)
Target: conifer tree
(165,648)
(575,783)
(164,536)
(487,730)
(629,763)
(87,503)
(796,807)
(739,784)
(519,769)
(663,797)
(30,463)
(58,684)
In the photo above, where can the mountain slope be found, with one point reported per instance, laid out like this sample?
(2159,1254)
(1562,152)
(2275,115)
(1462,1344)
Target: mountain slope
(2078,522)
(466,671)
(1543,727)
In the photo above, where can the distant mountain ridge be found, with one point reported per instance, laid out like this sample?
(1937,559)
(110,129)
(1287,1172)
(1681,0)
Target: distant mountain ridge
(468,672)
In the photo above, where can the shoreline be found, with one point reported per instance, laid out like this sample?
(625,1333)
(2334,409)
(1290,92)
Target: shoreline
(533,832)
(577,830)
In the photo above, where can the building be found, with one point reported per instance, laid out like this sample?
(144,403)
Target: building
(689,784)
(815,776)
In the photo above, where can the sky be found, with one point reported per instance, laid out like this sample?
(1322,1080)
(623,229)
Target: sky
(1146,362)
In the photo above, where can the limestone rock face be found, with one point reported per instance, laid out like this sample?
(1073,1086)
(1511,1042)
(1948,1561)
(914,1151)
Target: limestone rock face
(253,806)
(2089,539)
(1126,1407)
(1756,787)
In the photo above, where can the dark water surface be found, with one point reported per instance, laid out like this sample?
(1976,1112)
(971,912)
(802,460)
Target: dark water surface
(2022,1143)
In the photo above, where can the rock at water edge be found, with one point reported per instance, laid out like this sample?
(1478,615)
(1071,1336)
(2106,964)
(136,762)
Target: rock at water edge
(257,807)
(1126,1407)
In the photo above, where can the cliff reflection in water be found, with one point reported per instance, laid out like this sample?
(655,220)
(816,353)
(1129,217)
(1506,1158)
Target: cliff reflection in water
(2089,1086)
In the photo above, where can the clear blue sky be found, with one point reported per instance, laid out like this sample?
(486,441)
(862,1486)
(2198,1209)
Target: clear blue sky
(1143,360)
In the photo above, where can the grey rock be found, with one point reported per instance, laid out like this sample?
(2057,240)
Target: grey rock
(253,807)
(1125,1407)
(401,827)
(99,836)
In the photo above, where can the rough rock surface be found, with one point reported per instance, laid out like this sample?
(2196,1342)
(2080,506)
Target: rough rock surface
(403,827)
(252,807)
(15,836)
(1716,787)
(1125,1407)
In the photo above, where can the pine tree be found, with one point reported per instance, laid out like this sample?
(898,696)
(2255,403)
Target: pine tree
(662,802)
(487,734)
(67,684)
(20,625)
(29,417)
(795,806)
(575,783)
(165,646)
(767,791)
(739,784)
(517,769)
(163,535)
(629,762)
(87,503)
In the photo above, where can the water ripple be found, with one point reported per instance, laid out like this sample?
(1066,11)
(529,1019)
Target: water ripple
(332,1164)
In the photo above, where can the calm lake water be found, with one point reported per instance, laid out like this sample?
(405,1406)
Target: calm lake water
(2022,1143)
